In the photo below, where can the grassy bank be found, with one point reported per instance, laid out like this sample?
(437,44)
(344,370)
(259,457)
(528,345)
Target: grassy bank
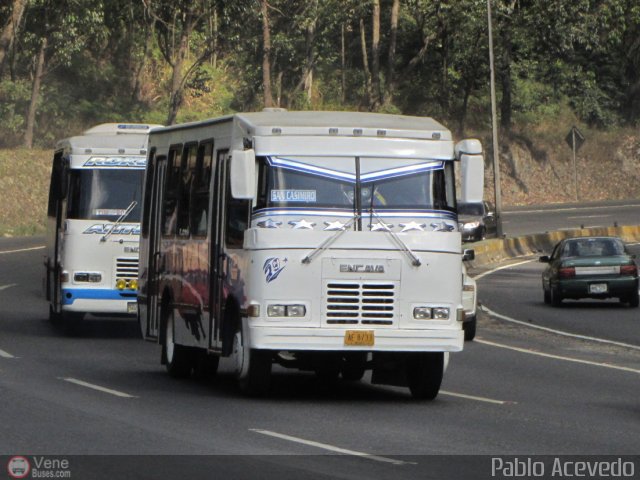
(24,187)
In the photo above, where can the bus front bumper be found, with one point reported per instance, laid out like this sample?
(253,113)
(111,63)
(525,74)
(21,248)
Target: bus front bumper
(334,339)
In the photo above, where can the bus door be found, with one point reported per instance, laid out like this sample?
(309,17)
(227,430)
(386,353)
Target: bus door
(155,255)
(218,256)
(56,214)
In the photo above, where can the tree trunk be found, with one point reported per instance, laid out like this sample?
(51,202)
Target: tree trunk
(390,84)
(35,94)
(343,66)
(375,55)
(311,37)
(10,30)
(365,62)
(266,55)
(177,77)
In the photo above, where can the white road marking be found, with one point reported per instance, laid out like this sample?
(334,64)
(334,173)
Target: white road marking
(559,332)
(557,357)
(331,448)
(22,250)
(4,287)
(4,354)
(97,387)
(588,216)
(478,399)
(489,272)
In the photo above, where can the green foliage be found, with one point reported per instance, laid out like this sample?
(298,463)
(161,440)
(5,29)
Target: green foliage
(109,60)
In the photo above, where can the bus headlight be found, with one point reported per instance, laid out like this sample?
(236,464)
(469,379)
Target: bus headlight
(422,313)
(87,277)
(286,310)
(440,313)
(431,313)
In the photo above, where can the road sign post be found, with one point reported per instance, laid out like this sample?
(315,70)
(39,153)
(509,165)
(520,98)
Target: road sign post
(575,139)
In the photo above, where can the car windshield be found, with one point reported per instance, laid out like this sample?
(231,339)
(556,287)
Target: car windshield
(593,247)
(427,185)
(104,194)
(475,209)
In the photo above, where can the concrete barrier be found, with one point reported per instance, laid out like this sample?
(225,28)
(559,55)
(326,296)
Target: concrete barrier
(500,249)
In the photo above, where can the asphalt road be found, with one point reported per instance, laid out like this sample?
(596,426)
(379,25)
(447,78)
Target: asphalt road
(536,219)
(515,391)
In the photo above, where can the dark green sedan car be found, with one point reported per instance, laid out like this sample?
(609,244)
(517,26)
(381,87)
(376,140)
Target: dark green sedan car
(590,267)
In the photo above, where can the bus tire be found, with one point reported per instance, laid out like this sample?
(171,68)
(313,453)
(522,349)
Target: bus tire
(354,367)
(54,317)
(469,328)
(252,366)
(424,374)
(178,357)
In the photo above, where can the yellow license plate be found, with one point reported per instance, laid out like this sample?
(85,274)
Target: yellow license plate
(359,338)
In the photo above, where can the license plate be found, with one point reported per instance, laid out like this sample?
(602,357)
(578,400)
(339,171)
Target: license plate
(359,338)
(598,288)
(132,307)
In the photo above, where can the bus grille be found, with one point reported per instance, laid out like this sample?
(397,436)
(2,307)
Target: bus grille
(127,268)
(360,303)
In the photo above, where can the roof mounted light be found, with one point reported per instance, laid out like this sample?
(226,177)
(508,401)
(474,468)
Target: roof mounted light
(276,131)
(333,131)
(357,132)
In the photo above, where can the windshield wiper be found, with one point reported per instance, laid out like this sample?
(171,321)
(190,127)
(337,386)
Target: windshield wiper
(324,245)
(126,213)
(415,260)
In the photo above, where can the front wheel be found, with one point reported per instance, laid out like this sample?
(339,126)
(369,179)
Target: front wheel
(178,357)
(424,374)
(469,328)
(252,367)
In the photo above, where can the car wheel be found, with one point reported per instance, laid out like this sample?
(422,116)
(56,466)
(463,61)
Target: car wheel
(547,296)
(424,374)
(633,300)
(469,328)
(556,298)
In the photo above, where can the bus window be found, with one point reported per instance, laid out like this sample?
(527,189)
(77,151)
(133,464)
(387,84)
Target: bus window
(187,174)
(170,206)
(104,194)
(200,204)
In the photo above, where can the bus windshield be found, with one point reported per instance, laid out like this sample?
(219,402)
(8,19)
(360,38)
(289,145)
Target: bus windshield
(104,194)
(425,186)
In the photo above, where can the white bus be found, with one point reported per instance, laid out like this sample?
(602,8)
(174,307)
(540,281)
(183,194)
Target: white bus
(91,263)
(323,241)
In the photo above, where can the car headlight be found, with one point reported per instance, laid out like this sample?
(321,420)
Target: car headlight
(472,225)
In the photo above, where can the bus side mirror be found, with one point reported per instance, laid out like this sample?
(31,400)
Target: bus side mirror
(472,169)
(468,255)
(243,174)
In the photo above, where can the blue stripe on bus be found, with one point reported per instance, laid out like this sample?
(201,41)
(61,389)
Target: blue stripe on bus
(69,295)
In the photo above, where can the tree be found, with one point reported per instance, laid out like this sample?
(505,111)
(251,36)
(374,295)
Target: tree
(175,23)
(10,30)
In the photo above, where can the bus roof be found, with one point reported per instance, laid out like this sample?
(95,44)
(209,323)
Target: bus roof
(321,123)
(110,136)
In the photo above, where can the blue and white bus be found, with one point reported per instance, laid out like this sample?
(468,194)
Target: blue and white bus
(91,263)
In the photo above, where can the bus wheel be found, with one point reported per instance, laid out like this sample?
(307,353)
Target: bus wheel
(206,365)
(178,357)
(424,374)
(252,367)
(54,317)
(354,367)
